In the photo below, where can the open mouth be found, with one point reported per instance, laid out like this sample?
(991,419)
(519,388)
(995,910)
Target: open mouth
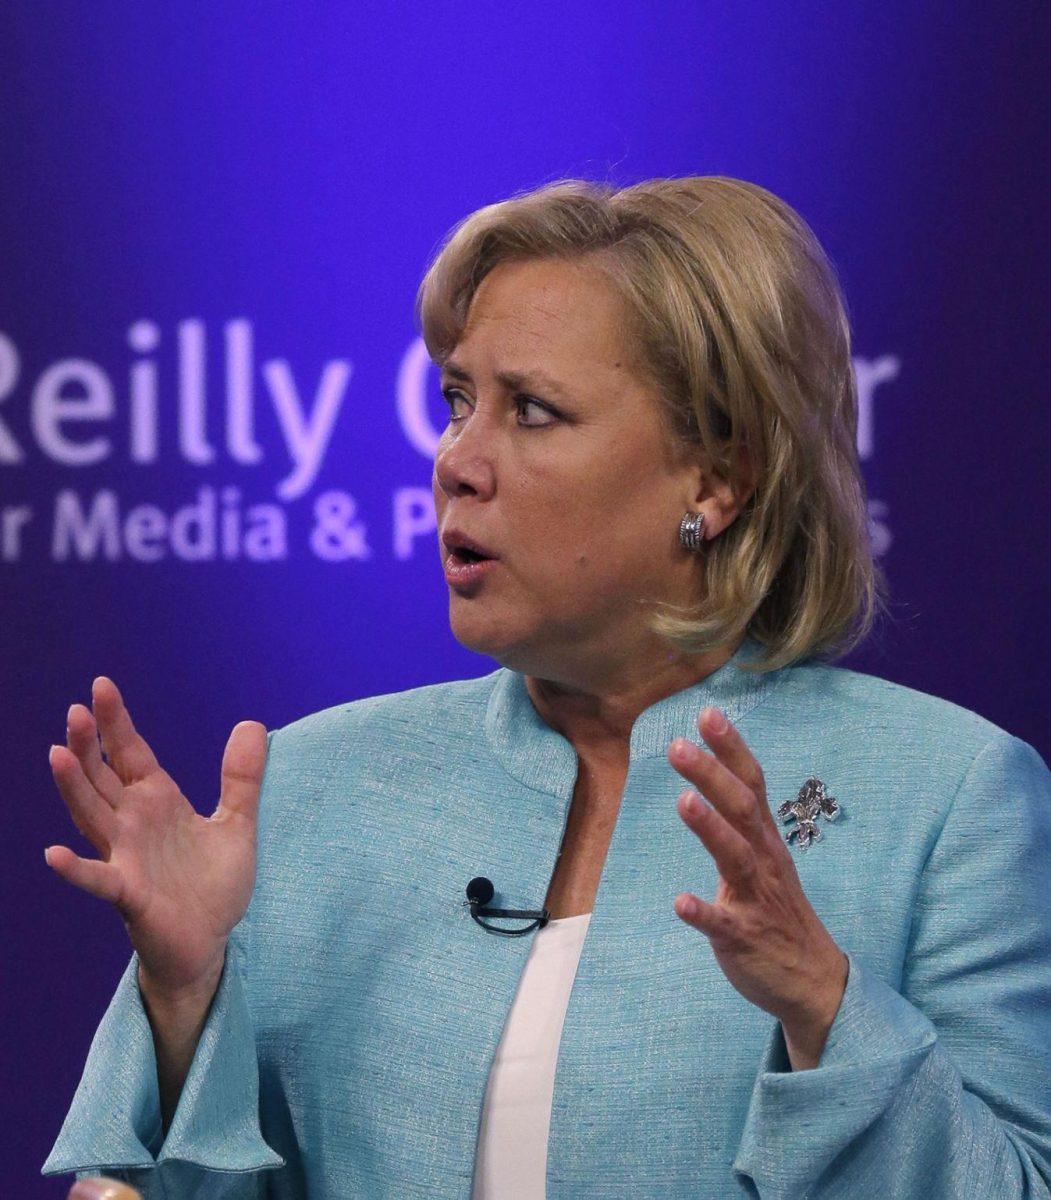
(462,555)
(466,560)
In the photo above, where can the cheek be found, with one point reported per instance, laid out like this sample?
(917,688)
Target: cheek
(588,529)
(556,534)
(441,496)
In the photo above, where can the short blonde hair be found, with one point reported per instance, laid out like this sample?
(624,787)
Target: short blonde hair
(740,324)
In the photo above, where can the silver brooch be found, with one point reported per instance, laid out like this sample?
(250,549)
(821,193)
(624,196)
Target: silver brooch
(812,802)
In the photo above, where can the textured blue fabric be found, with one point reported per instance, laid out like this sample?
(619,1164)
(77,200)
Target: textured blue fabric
(347,1051)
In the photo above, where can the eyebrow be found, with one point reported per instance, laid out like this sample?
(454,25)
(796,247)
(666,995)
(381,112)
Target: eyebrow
(512,380)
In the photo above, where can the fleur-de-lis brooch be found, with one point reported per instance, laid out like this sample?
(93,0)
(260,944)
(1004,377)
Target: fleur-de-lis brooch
(812,802)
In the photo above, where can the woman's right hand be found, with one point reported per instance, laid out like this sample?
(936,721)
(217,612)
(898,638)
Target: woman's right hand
(180,881)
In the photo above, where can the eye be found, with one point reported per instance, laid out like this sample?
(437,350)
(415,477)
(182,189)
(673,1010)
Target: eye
(452,395)
(532,413)
(540,413)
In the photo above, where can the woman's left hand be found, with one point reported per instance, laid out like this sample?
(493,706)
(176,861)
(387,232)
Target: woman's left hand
(766,937)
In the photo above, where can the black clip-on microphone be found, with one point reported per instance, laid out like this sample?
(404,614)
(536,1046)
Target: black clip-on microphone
(480,891)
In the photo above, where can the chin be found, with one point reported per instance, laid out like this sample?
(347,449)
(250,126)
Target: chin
(523,654)
(483,634)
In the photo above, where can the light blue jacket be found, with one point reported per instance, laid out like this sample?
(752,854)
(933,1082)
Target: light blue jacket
(348,1048)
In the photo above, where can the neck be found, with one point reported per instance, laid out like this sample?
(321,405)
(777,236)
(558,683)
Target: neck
(597,715)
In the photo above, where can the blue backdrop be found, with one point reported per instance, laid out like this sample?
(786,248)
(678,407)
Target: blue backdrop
(217,421)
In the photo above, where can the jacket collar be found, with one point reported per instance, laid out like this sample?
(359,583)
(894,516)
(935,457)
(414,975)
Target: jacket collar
(545,760)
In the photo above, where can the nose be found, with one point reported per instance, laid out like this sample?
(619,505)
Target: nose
(464,462)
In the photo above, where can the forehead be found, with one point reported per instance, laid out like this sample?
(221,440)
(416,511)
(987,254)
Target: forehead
(557,313)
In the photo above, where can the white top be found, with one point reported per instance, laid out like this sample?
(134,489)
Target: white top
(511,1159)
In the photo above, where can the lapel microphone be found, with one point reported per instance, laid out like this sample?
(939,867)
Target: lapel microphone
(480,891)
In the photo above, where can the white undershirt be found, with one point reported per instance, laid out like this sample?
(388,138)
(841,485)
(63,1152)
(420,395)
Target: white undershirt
(511,1158)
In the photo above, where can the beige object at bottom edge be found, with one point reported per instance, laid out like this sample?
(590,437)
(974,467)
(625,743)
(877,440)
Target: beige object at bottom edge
(99,1188)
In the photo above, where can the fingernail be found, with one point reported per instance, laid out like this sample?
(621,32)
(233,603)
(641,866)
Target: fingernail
(51,753)
(716,721)
(687,906)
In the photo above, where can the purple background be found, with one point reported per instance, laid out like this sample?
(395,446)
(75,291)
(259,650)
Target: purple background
(295,166)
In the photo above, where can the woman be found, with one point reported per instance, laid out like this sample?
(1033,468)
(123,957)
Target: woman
(651,516)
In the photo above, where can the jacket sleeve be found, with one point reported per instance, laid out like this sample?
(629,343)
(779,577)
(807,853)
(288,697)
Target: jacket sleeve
(944,1089)
(214,1148)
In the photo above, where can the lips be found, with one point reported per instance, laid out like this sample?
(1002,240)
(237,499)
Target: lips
(464,548)
(468,562)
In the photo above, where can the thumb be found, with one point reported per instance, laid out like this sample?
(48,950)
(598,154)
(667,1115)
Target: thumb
(242,771)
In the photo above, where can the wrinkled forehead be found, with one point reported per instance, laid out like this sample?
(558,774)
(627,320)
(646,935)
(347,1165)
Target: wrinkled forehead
(574,296)
(563,318)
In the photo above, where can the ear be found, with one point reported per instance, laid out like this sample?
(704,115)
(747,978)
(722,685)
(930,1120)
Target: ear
(718,500)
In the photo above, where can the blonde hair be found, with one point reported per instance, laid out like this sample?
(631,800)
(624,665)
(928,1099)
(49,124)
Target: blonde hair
(740,324)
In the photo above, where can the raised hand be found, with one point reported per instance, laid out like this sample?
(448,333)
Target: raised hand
(766,936)
(180,881)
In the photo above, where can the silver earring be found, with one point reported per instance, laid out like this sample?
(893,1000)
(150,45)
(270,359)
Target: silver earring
(691,530)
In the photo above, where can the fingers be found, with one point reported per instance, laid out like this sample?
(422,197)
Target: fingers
(244,760)
(82,739)
(725,791)
(730,748)
(90,812)
(98,878)
(734,856)
(710,919)
(126,749)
